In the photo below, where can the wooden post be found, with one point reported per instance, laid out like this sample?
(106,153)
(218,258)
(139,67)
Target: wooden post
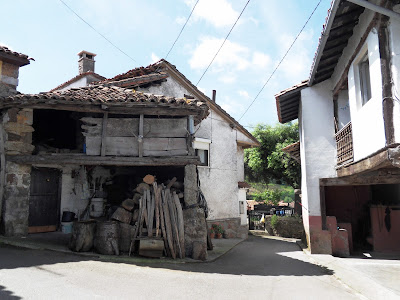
(189,140)
(140,137)
(103,134)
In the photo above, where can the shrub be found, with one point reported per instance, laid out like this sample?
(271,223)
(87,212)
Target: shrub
(274,221)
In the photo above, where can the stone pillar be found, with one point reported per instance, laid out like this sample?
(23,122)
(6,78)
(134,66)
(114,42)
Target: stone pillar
(195,233)
(190,181)
(194,218)
(16,130)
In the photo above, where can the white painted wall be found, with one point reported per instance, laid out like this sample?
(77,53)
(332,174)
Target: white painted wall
(219,181)
(367,119)
(76,84)
(394,34)
(317,144)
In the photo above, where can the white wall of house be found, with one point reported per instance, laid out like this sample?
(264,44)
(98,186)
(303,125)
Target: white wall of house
(394,33)
(79,83)
(367,119)
(219,180)
(318,146)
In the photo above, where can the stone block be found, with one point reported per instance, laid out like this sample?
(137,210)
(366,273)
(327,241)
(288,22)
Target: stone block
(26,179)
(320,242)
(190,181)
(12,114)
(25,116)
(11,179)
(17,128)
(12,137)
(195,230)
(17,168)
(199,250)
(18,147)
(10,70)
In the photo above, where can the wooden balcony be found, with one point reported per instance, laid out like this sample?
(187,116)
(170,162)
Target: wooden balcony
(344,145)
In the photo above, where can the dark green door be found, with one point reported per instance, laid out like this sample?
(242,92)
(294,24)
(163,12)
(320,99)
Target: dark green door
(44,200)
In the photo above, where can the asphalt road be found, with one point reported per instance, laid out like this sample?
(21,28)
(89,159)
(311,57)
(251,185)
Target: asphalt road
(258,268)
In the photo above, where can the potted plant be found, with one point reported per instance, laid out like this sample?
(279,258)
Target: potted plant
(217,230)
(212,233)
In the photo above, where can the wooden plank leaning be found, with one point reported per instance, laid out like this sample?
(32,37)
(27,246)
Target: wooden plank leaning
(181,228)
(168,226)
(172,212)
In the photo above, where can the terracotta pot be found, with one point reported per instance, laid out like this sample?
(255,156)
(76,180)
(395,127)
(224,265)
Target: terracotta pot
(218,235)
(212,235)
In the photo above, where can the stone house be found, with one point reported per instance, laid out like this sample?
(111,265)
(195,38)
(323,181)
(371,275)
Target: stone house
(61,147)
(348,113)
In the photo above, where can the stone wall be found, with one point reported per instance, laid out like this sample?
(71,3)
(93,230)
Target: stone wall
(232,227)
(16,131)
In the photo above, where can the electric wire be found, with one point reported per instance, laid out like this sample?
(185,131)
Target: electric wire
(115,46)
(222,43)
(280,62)
(184,25)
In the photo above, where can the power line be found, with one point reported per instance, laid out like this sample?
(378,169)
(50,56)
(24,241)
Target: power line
(115,46)
(223,42)
(182,29)
(283,58)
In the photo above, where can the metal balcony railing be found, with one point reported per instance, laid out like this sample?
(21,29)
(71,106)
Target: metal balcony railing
(344,145)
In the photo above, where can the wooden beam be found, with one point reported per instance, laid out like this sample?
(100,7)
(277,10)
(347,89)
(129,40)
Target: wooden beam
(381,176)
(82,159)
(140,137)
(103,134)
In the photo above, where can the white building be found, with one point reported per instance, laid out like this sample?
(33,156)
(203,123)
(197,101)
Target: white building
(349,124)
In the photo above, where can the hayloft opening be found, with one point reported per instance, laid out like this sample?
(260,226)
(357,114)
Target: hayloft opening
(55,130)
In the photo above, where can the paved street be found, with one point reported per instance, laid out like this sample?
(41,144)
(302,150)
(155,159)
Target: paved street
(257,268)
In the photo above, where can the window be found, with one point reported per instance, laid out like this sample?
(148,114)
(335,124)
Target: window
(203,154)
(202,149)
(365,82)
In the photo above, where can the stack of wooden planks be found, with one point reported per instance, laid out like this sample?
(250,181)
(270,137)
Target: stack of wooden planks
(161,217)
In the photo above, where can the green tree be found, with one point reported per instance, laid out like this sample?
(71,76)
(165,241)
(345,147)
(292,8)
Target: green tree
(268,163)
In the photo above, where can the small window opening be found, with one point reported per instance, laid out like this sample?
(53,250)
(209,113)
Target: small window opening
(365,81)
(203,154)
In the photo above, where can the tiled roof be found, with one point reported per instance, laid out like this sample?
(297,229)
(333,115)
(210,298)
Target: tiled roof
(77,78)
(153,68)
(8,51)
(13,57)
(136,81)
(287,102)
(294,151)
(110,96)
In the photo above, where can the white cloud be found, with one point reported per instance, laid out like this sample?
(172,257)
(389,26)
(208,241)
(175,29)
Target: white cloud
(232,54)
(232,107)
(154,58)
(217,12)
(244,94)
(227,78)
(180,20)
(260,59)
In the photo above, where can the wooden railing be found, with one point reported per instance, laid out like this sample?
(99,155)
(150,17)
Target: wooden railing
(344,144)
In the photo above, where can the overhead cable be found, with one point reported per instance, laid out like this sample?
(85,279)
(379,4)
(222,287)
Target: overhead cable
(280,62)
(115,46)
(222,43)
(182,29)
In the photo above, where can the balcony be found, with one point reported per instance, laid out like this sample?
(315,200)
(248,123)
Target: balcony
(344,145)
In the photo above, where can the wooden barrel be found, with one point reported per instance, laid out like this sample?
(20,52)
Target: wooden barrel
(126,232)
(107,238)
(82,236)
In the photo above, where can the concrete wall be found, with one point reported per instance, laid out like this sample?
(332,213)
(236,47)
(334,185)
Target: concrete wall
(318,158)
(82,82)
(367,119)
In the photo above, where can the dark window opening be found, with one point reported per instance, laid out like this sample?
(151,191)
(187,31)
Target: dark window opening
(365,81)
(203,154)
(55,129)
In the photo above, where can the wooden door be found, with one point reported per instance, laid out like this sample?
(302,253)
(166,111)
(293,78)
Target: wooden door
(44,200)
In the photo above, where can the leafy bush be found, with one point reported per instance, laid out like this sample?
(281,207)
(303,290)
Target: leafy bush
(271,196)
(274,221)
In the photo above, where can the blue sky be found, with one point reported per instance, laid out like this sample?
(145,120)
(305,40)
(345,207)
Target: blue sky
(51,34)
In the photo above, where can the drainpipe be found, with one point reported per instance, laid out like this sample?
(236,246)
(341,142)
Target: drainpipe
(376,8)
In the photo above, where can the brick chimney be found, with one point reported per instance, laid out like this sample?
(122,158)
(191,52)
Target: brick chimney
(10,62)
(86,62)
